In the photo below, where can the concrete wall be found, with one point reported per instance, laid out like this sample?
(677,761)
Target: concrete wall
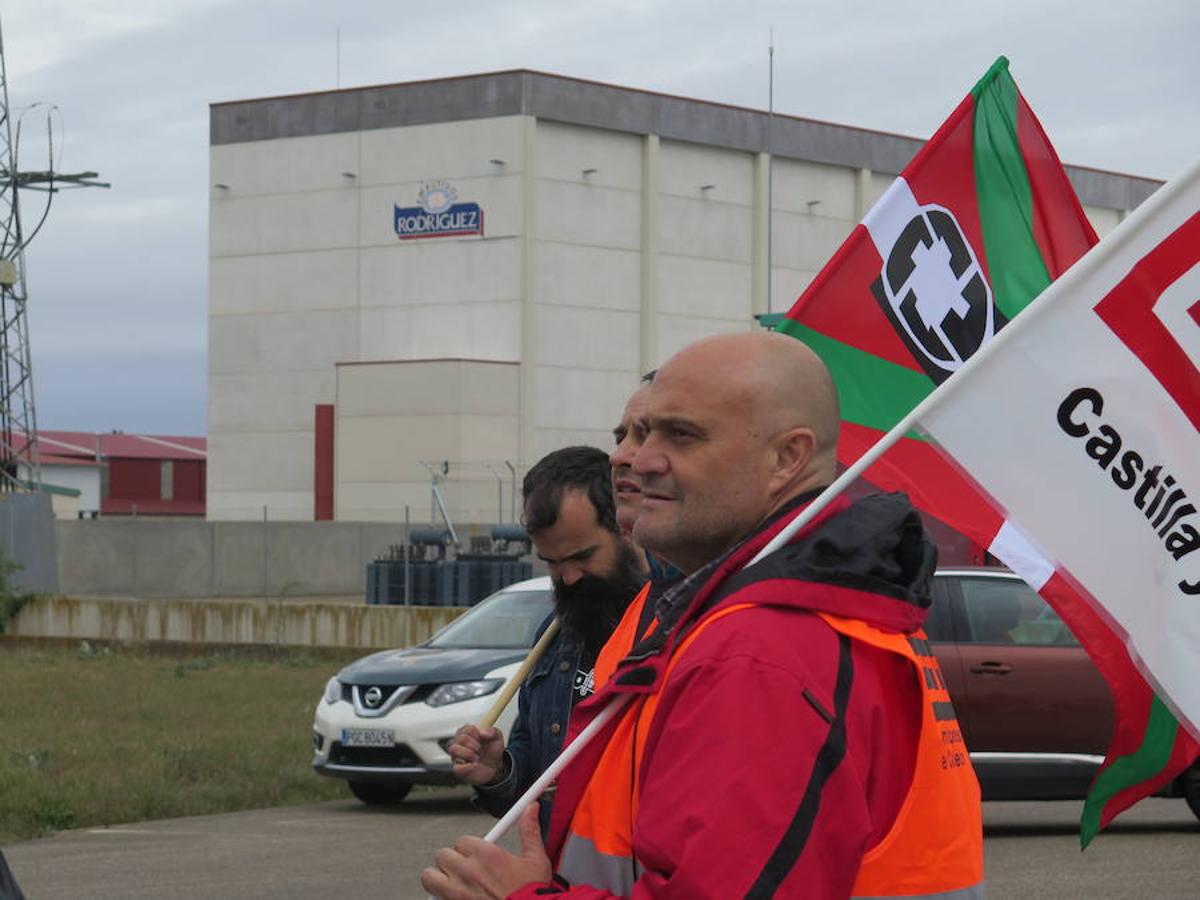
(27,538)
(65,506)
(179,558)
(229,622)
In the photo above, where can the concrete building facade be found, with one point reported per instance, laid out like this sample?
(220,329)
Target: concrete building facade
(441,281)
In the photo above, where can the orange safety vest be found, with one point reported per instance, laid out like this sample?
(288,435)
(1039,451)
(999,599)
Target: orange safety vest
(935,845)
(621,641)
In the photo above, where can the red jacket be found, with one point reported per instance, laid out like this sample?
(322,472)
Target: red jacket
(740,783)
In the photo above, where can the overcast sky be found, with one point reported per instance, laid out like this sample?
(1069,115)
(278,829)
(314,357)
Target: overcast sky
(117,278)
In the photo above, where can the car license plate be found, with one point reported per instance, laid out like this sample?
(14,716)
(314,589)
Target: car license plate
(368,737)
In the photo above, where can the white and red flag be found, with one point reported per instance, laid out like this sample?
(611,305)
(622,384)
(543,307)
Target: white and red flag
(1081,423)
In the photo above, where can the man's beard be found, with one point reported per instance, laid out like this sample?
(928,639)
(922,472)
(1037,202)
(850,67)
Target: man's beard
(593,605)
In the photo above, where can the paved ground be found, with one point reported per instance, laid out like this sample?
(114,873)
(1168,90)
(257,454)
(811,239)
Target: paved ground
(338,849)
(346,849)
(1153,851)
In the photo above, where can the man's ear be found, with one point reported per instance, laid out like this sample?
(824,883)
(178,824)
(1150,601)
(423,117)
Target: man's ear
(794,450)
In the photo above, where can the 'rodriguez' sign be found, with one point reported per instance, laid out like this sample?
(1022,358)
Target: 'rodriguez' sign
(438,215)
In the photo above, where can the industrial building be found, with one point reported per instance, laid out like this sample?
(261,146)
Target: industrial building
(438,282)
(118,474)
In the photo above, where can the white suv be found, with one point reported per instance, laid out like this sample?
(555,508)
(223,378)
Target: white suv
(385,720)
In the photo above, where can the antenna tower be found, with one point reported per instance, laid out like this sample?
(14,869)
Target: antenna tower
(20,469)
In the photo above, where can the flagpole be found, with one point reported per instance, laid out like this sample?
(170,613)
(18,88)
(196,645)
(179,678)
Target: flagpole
(501,702)
(1123,233)
(569,752)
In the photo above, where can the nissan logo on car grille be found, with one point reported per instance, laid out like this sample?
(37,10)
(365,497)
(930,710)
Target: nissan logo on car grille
(373,697)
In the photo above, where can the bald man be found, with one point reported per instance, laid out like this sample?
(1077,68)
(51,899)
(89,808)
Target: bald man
(786,733)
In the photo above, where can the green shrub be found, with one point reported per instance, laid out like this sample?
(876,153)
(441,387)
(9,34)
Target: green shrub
(11,600)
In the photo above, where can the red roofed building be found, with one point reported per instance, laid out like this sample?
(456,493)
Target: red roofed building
(120,474)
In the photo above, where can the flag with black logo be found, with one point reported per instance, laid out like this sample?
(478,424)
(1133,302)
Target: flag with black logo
(978,225)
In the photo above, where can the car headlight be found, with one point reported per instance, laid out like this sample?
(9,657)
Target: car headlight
(333,690)
(463,690)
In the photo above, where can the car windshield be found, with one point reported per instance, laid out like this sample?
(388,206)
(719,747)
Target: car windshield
(508,619)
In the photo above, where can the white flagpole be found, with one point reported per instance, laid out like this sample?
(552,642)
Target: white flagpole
(572,750)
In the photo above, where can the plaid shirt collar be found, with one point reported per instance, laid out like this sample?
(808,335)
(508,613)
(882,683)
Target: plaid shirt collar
(673,602)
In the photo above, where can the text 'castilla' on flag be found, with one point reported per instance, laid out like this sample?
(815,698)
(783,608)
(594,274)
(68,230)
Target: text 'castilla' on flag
(1158,496)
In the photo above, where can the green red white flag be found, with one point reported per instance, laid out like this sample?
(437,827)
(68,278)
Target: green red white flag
(976,227)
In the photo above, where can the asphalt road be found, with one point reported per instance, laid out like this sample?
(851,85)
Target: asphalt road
(349,850)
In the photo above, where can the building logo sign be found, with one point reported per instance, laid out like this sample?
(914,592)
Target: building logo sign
(438,215)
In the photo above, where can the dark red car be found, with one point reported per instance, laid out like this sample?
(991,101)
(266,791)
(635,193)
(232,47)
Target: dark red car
(1035,713)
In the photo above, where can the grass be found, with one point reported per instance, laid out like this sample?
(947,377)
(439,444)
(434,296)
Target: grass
(105,735)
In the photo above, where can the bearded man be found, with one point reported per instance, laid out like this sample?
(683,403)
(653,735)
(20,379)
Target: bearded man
(570,515)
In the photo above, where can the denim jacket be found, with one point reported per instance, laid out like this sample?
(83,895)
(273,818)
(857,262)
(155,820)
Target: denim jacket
(543,710)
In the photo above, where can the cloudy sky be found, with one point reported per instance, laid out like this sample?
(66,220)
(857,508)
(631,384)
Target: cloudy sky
(117,278)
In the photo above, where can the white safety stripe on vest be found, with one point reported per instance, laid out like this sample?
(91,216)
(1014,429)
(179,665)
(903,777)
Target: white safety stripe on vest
(582,863)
